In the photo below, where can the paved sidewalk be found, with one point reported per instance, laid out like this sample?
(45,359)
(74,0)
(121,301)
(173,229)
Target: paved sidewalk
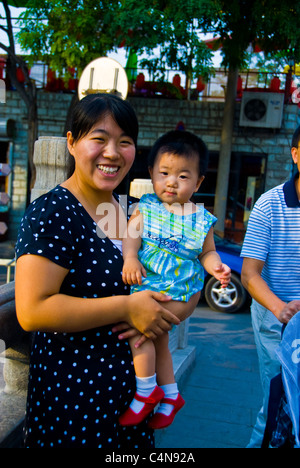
(222,392)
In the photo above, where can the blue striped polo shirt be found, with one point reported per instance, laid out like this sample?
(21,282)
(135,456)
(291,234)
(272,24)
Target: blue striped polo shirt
(273,236)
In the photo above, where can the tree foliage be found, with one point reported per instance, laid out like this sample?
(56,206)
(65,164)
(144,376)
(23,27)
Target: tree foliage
(67,33)
(175,27)
(71,33)
(270,24)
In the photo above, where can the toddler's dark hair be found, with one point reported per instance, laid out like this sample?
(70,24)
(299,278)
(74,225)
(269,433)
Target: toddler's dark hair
(182,143)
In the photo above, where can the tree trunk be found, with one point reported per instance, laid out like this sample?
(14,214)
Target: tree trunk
(225,152)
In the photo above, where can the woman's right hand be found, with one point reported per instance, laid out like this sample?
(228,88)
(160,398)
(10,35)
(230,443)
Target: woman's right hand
(147,314)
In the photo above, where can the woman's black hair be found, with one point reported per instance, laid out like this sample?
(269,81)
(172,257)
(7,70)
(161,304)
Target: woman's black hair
(93,107)
(182,143)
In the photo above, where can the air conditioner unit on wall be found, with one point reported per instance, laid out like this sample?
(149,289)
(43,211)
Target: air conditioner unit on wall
(262,110)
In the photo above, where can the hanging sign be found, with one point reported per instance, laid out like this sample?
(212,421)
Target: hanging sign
(5,169)
(4,198)
(3,228)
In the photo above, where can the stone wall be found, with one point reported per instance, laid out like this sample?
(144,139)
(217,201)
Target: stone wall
(156,116)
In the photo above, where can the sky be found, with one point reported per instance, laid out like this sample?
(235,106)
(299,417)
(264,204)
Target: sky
(3,36)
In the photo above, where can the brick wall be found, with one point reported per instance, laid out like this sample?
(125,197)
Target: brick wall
(156,116)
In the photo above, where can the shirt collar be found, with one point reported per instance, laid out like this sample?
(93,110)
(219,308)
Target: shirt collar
(290,193)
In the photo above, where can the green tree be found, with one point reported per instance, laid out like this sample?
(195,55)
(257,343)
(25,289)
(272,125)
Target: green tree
(240,23)
(71,33)
(67,33)
(176,28)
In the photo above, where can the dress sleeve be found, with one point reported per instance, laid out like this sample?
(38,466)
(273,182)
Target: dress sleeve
(46,230)
(143,203)
(209,221)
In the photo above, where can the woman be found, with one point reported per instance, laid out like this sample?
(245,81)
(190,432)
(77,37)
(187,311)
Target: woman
(70,292)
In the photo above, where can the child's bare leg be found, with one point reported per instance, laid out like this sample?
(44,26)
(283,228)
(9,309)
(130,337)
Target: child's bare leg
(144,357)
(164,367)
(172,401)
(164,362)
(183,310)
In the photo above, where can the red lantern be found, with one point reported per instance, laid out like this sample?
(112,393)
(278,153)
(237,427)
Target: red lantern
(140,81)
(20,75)
(177,81)
(2,66)
(50,76)
(200,85)
(275,84)
(239,88)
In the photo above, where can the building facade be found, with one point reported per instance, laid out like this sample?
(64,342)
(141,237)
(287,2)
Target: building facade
(261,158)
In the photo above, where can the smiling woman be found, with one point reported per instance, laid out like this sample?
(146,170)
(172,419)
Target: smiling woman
(70,292)
(103,145)
(108,169)
(103,157)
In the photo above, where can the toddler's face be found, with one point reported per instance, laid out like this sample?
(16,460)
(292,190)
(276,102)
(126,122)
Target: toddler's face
(175,178)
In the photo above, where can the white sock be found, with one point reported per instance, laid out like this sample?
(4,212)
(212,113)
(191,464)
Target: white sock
(171,391)
(144,387)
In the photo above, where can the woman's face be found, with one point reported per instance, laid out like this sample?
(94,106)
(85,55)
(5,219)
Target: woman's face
(104,156)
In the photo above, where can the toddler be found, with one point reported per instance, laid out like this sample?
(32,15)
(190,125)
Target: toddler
(169,241)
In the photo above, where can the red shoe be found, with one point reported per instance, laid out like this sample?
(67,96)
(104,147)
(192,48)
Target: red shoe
(159,420)
(130,418)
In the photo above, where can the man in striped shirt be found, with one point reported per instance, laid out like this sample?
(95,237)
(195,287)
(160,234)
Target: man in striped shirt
(271,274)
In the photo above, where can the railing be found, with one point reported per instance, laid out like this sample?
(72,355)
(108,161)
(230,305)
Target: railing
(163,82)
(8,264)
(14,360)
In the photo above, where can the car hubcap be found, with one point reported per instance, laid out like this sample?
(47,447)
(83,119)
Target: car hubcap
(224,297)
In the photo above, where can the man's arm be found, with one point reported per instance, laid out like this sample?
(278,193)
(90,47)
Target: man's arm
(258,288)
(260,291)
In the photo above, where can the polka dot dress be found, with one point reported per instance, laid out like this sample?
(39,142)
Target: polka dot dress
(79,383)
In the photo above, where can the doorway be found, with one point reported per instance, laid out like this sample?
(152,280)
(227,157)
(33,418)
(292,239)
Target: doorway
(246,185)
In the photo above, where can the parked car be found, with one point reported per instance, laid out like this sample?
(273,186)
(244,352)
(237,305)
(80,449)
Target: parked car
(233,298)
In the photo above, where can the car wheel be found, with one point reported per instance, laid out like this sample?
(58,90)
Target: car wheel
(230,299)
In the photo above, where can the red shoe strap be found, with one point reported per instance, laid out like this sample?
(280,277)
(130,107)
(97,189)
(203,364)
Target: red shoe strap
(169,401)
(148,399)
